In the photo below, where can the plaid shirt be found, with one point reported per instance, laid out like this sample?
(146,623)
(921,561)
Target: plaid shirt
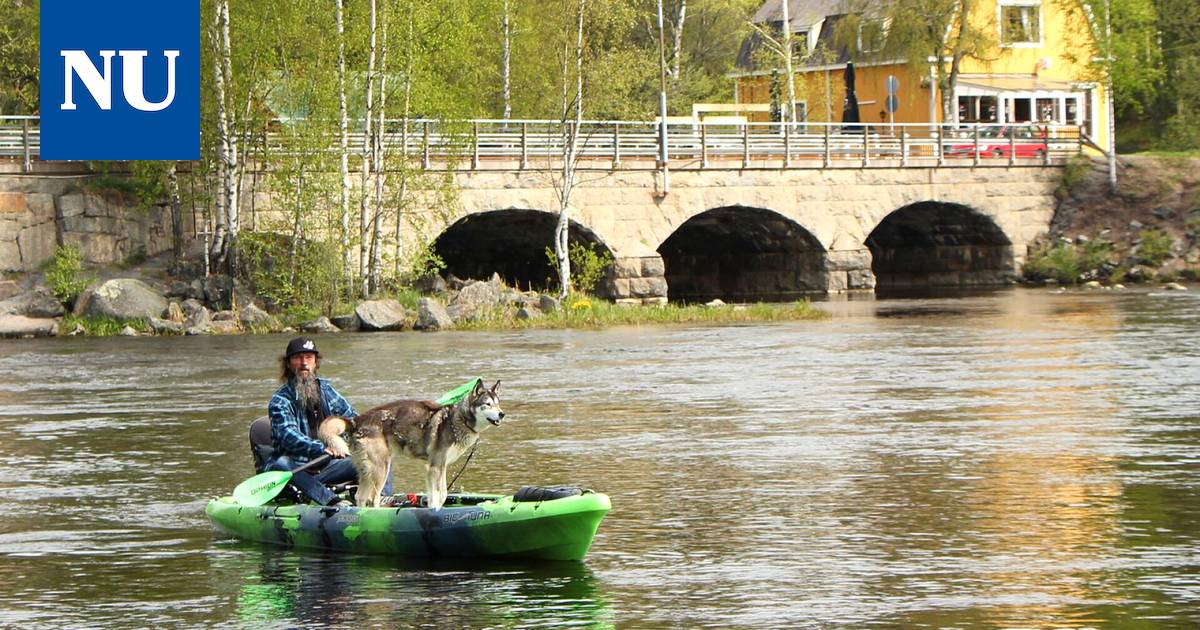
(289,422)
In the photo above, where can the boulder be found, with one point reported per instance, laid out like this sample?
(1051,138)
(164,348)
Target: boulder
(528,312)
(431,315)
(715,302)
(224,327)
(178,289)
(319,325)
(430,284)
(128,331)
(224,316)
(251,316)
(547,304)
(21,326)
(347,323)
(1174,286)
(165,326)
(474,301)
(196,318)
(125,298)
(38,304)
(8,288)
(218,292)
(175,312)
(381,315)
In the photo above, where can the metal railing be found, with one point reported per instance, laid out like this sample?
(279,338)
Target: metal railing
(538,144)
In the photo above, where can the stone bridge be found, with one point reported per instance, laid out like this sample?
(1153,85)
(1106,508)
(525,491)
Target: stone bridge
(770,234)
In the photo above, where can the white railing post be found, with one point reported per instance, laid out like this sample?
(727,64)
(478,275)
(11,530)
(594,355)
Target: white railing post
(904,147)
(938,149)
(26,164)
(866,138)
(975,161)
(425,148)
(787,145)
(616,158)
(746,144)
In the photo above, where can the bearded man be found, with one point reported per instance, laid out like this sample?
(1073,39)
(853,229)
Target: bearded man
(296,411)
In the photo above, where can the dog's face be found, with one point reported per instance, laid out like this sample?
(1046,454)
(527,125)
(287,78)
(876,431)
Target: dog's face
(485,406)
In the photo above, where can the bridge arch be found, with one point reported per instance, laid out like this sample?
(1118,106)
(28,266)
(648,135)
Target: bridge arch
(511,242)
(739,254)
(932,244)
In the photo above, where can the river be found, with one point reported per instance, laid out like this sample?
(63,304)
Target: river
(1023,458)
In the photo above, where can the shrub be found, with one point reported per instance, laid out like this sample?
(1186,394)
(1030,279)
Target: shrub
(1154,248)
(1073,174)
(588,267)
(64,274)
(425,263)
(302,277)
(1058,262)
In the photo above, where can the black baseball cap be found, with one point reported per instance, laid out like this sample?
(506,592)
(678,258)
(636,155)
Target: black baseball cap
(301,344)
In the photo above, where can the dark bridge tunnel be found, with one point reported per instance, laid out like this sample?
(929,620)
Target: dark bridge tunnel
(939,245)
(741,254)
(510,242)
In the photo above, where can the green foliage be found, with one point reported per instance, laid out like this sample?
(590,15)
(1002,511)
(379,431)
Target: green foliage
(588,267)
(19,28)
(582,311)
(1073,174)
(293,279)
(65,274)
(425,263)
(1065,263)
(99,325)
(1154,247)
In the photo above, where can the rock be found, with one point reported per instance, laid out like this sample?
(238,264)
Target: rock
(1174,286)
(225,327)
(319,325)
(8,288)
(1081,239)
(78,330)
(455,283)
(125,298)
(1136,225)
(178,289)
(528,312)
(128,331)
(431,315)
(38,304)
(1118,286)
(430,284)
(716,302)
(1139,273)
(547,304)
(1163,212)
(251,316)
(195,290)
(21,326)
(218,292)
(165,326)
(175,312)
(381,315)
(196,320)
(346,322)
(224,316)
(474,301)
(1093,284)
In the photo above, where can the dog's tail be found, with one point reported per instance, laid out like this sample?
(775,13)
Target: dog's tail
(331,430)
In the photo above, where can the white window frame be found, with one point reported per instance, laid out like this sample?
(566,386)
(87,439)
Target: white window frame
(1041,34)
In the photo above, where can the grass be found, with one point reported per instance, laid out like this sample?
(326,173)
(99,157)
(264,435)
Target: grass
(100,326)
(584,312)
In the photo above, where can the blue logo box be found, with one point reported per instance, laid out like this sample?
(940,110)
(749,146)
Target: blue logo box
(120,80)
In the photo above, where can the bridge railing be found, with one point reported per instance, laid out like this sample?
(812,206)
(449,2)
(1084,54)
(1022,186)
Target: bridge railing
(538,144)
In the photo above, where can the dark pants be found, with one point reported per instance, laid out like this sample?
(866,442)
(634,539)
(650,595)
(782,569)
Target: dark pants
(314,484)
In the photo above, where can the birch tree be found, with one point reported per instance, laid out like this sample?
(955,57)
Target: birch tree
(225,234)
(364,214)
(781,44)
(571,117)
(343,148)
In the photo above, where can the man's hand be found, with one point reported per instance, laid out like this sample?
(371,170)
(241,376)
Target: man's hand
(335,452)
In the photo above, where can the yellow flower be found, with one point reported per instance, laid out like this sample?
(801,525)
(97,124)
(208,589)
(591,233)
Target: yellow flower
(580,304)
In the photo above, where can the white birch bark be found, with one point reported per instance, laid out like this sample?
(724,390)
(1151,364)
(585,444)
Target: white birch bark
(377,163)
(570,161)
(365,201)
(506,58)
(344,149)
(402,199)
(677,44)
(788,114)
(232,179)
(216,247)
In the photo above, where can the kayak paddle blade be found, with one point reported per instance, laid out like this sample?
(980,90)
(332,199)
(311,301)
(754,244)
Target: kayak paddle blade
(262,487)
(458,393)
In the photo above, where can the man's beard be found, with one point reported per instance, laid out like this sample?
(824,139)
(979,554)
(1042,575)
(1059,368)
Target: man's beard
(308,392)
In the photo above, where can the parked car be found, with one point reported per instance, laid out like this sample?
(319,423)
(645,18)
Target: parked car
(1024,141)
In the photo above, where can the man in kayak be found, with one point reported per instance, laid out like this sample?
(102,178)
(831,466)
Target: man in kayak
(296,410)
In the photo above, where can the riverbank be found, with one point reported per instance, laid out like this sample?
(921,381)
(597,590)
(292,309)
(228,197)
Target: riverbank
(1147,231)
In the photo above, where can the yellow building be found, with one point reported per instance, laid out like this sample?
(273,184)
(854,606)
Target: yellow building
(1033,66)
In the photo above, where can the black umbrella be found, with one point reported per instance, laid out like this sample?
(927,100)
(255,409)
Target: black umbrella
(850,108)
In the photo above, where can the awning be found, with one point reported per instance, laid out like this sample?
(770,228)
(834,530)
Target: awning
(1026,83)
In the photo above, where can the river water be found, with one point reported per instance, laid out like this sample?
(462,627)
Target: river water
(1015,459)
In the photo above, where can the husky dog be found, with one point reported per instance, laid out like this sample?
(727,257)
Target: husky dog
(422,429)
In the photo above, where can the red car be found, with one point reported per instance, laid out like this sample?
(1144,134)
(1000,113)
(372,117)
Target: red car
(1023,141)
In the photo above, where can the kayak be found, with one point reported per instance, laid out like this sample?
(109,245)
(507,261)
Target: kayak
(528,525)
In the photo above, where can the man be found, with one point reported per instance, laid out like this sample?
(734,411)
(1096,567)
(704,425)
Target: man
(296,411)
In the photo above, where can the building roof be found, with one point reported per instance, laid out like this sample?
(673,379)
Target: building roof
(803,13)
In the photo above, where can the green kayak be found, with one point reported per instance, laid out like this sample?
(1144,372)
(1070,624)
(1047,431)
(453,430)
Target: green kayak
(469,525)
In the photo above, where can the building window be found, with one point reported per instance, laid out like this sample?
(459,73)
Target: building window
(1020,22)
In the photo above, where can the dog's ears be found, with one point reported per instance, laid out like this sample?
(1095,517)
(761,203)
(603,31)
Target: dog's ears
(494,387)
(479,388)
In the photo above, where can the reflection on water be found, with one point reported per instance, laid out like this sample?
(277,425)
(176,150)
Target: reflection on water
(1005,459)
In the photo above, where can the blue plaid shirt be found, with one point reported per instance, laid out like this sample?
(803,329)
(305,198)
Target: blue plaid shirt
(289,422)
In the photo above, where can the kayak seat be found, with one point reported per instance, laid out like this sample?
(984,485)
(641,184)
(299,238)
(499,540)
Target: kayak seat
(538,493)
(260,442)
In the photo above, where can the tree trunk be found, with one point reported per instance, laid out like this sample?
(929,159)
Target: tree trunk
(788,114)
(402,199)
(505,74)
(570,161)
(365,202)
(344,151)
(216,250)
(377,164)
(176,218)
(677,45)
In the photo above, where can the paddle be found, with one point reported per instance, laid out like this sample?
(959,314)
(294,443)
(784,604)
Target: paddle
(263,487)
(458,393)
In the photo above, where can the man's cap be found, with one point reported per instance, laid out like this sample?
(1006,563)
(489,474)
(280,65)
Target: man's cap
(301,344)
